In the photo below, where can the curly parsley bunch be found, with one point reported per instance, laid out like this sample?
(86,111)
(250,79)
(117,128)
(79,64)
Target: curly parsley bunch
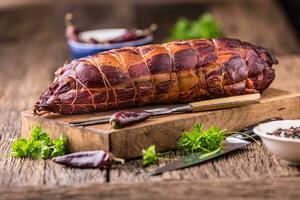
(201,141)
(206,142)
(39,146)
(205,26)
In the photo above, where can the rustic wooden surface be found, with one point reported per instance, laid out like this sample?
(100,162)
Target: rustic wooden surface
(163,131)
(273,188)
(262,23)
(32,46)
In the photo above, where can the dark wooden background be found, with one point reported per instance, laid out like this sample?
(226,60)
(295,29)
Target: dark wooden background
(32,47)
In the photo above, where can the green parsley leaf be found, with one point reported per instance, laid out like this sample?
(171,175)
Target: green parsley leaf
(39,134)
(60,146)
(150,156)
(204,142)
(39,146)
(201,141)
(37,149)
(19,148)
(204,27)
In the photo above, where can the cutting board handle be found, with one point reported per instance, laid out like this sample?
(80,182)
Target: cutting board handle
(226,102)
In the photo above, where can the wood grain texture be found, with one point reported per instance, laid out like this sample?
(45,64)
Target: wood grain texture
(32,49)
(274,188)
(227,102)
(19,66)
(253,21)
(251,162)
(79,138)
(162,131)
(288,73)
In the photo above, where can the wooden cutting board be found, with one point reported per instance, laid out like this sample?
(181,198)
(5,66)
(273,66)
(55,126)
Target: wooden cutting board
(160,131)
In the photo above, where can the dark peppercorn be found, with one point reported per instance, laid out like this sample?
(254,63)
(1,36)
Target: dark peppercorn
(293,132)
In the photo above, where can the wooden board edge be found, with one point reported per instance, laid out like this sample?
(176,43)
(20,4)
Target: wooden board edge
(249,114)
(277,94)
(79,138)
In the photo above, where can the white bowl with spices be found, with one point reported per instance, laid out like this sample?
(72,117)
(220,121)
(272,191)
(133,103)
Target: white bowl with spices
(277,138)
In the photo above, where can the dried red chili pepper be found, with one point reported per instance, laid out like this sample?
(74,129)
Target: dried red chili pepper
(134,34)
(87,159)
(126,118)
(72,32)
(93,41)
(126,37)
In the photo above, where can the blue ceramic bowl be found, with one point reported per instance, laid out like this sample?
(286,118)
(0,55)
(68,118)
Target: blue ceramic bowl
(79,49)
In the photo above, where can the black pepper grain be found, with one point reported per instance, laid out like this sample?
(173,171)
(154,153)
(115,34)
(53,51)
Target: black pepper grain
(293,132)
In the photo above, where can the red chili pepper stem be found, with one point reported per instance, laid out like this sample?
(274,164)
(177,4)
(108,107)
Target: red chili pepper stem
(116,159)
(115,124)
(68,19)
(146,31)
(71,32)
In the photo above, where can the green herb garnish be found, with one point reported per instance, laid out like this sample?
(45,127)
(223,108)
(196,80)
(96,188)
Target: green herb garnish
(206,142)
(206,155)
(150,156)
(39,146)
(204,27)
(201,141)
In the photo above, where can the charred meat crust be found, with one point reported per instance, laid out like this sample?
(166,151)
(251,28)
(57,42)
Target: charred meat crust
(180,71)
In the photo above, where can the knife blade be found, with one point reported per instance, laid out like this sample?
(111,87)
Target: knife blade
(194,159)
(231,143)
(212,104)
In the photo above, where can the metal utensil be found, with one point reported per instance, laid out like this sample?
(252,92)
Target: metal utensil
(231,143)
(212,104)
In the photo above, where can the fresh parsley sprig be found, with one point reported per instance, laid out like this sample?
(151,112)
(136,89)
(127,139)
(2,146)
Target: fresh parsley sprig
(150,156)
(200,141)
(204,27)
(39,146)
(206,142)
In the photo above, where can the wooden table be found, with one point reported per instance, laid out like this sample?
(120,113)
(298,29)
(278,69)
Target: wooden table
(32,46)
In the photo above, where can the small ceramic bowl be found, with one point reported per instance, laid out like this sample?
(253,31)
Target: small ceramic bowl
(79,49)
(287,149)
